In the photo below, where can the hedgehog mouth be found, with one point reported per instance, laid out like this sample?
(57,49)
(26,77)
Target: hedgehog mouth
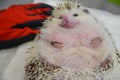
(69,25)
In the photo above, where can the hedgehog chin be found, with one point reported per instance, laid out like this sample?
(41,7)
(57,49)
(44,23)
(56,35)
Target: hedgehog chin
(68,25)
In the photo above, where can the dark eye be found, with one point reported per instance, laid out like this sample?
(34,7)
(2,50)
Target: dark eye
(60,17)
(75,15)
(86,11)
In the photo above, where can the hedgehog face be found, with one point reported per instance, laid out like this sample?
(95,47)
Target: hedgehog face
(71,17)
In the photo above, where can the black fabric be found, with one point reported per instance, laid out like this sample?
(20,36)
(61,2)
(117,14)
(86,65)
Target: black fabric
(32,24)
(43,5)
(16,42)
(48,12)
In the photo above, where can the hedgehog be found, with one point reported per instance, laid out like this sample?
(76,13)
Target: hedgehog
(73,45)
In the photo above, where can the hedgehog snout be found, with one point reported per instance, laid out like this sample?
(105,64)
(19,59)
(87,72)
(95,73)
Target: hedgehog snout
(68,22)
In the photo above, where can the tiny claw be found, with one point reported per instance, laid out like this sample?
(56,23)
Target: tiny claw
(58,45)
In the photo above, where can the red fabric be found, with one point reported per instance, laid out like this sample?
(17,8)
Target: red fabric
(18,14)
(16,33)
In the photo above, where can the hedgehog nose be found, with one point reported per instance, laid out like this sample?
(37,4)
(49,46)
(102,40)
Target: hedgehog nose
(66,19)
(65,22)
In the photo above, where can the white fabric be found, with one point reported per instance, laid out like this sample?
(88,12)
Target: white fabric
(12,60)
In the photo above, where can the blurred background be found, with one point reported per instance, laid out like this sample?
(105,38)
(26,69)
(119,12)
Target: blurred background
(98,4)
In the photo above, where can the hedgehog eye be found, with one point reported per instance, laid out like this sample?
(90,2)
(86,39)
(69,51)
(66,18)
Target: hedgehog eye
(75,15)
(60,17)
(86,11)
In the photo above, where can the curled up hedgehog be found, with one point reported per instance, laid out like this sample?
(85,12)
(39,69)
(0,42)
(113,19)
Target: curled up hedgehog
(73,45)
